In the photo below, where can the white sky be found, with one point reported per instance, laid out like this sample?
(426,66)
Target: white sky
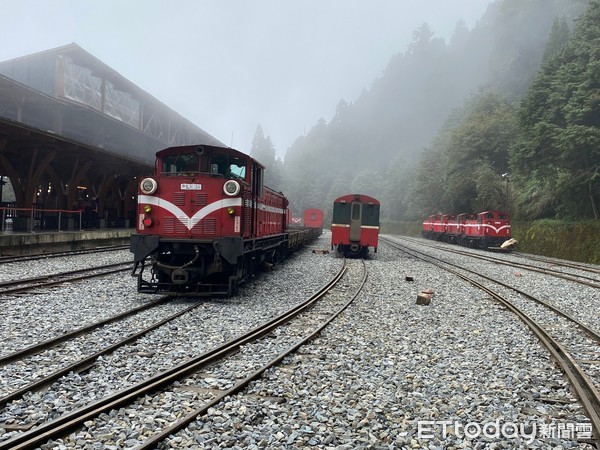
(228,65)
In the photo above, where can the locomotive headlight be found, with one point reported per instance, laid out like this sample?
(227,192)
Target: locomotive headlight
(231,188)
(148,186)
(147,209)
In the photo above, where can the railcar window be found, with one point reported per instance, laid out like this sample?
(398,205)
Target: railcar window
(356,211)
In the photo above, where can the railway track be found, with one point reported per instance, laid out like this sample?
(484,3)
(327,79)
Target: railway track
(47,281)
(567,339)
(559,263)
(265,334)
(83,363)
(24,258)
(577,278)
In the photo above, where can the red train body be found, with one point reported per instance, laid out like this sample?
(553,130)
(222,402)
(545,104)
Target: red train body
(313,218)
(355,224)
(484,230)
(205,222)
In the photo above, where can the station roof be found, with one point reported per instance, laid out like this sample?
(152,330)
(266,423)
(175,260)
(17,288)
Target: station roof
(68,93)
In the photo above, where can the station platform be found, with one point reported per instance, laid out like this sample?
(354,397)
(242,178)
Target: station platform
(33,243)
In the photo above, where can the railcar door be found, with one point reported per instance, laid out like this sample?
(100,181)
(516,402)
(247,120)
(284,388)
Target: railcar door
(355,221)
(257,194)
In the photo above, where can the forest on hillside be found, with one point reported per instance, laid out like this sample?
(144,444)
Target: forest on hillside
(503,116)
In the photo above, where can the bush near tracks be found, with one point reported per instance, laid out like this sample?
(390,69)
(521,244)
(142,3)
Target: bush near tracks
(574,241)
(402,228)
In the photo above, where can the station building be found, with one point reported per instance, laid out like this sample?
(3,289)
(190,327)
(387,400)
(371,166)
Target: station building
(76,133)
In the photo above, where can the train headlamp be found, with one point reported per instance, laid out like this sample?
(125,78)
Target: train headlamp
(148,186)
(147,209)
(231,188)
(230,211)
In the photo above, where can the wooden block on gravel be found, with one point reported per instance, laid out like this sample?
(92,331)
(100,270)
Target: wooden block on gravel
(424,298)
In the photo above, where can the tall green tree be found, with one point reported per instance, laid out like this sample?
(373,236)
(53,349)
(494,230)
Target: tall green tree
(559,36)
(263,151)
(477,154)
(560,118)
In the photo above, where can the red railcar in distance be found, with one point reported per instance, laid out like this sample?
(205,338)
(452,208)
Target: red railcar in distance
(484,230)
(429,225)
(456,227)
(355,225)
(488,229)
(313,218)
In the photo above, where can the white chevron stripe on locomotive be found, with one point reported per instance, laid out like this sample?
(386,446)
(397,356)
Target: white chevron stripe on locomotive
(187,221)
(497,230)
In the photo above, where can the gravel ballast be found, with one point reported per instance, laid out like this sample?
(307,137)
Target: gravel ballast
(388,373)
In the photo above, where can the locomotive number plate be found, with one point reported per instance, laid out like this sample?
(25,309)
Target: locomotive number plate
(191,187)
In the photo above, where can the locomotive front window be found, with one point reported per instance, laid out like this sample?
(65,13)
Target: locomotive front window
(180,163)
(229,167)
(237,168)
(218,164)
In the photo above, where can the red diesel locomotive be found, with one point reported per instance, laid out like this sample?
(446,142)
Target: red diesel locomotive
(206,222)
(484,230)
(355,225)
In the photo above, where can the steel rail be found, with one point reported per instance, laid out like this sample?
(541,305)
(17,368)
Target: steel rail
(582,385)
(45,345)
(41,283)
(23,258)
(61,425)
(570,264)
(153,441)
(587,330)
(86,362)
(581,279)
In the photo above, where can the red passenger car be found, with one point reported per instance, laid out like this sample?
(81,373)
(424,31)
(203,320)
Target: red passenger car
(355,224)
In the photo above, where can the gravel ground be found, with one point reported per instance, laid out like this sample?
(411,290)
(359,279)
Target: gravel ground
(393,374)
(459,373)
(215,321)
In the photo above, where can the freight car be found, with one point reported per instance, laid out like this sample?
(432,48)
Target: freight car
(355,225)
(484,230)
(206,222)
